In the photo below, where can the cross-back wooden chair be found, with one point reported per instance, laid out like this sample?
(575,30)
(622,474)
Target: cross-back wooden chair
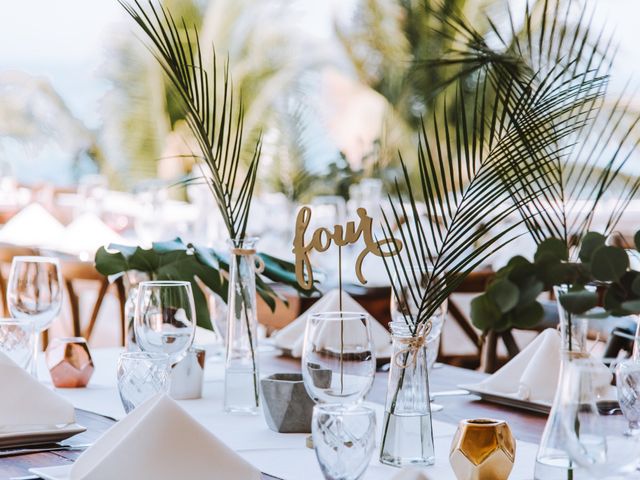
(75,271)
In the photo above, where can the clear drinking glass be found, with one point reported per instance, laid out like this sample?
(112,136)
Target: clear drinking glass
(338,360)
(628,386)
(16,340)
(407,429)
(407,292)
(242,363)
(141,375)
(598,438)
(344,440)
(34,292)
(165,318)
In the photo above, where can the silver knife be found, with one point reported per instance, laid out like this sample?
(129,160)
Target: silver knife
(42,449)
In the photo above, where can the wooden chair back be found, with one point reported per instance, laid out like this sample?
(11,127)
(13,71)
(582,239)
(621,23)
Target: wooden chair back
(74,271)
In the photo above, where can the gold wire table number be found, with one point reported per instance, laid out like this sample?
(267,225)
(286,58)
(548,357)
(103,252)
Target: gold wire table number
(341,236)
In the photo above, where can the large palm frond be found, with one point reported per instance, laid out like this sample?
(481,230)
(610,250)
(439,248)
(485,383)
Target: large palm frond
(555,36)
(211,109)
(472,175)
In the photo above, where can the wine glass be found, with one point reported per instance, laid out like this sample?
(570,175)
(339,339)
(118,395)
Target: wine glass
(628,386)
(598,438)
(338,360)
(165,318)
(34,291)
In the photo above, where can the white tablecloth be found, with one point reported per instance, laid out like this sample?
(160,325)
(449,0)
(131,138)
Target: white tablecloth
(281,455)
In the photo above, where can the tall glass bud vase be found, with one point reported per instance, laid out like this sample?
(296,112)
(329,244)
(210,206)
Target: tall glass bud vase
(552,460)
(407,431)
(241,382)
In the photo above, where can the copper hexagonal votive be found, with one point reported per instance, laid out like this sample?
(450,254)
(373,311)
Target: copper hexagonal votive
(69,362)
(482,449)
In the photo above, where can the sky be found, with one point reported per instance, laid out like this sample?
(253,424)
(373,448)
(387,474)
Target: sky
(66,42)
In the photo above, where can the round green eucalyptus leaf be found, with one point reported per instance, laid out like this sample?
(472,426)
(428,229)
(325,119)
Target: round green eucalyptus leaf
(635,285)
(530,288)
(528,316)
(590,243)
(609,263)
(484,313)
(518,260)
(561,273)
(631,306)
(551,248)
(579,301)
(504,294)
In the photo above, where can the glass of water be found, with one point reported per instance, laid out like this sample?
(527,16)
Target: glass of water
(142,375)
(628,386)
(165,318)
(16,340)
(338,361)
(343,439)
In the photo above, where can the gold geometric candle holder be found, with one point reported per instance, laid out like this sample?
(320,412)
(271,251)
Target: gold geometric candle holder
(482,449)
(69,362)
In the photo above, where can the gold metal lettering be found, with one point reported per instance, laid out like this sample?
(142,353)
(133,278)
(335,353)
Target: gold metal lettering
(341,236)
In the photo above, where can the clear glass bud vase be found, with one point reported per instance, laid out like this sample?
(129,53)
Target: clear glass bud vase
(552,460)
(241,382)
(407,431)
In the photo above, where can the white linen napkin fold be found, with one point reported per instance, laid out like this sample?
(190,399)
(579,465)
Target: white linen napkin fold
(291,337)
(532,375)
(25,403)
(32,226)
(86,234)
(160,440)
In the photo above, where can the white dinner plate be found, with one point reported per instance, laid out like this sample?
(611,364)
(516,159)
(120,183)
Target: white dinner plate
(507,400)
(38,436)
(53,473)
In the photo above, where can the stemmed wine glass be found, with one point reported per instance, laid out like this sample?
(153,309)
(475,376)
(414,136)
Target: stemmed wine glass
(34,291)
(165,318)
(599,438)
(338,367)
(338,359)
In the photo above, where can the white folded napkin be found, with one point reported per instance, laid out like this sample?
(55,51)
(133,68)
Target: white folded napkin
(532,375)
(160,440)
(291,337)
(86,234)
(410,473)
(27,404)
(32,226)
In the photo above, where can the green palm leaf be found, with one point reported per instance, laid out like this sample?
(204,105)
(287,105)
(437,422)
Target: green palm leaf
(211,109)
(558,40)
(477,172)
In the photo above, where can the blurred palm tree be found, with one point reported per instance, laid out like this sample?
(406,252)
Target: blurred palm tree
(386,46)
(140,111)
(268,57)
(416,53)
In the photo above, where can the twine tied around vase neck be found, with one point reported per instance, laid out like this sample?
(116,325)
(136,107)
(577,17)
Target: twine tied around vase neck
(412,347)
(260,266)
